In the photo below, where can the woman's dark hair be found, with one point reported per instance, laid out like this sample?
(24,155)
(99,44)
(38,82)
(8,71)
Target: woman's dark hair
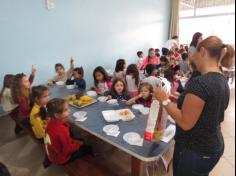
(139,53)
(16,88)
(113,91)
(120,65)
(103,72)
(223,53)
(186,48)
(7,82)
(164,59)
(133,70)
(195,38)
(55,106)
(150,68)
(80,71)
(175,37)
(59,65)
(169,74)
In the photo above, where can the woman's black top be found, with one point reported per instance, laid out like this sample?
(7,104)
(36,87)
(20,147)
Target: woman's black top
(206,137)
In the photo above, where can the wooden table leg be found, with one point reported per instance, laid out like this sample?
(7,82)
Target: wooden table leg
(136,168)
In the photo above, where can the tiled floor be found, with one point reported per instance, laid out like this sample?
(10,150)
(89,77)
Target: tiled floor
(24,158)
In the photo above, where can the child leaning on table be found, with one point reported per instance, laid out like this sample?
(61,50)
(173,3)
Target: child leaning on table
(61,148)
(119,90)
(5,95)
(38,118)
(61,74)
(144,96)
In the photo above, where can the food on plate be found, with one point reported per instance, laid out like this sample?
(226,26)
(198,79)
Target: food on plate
(77,103)
(125,114)
(78,95)
(71,98)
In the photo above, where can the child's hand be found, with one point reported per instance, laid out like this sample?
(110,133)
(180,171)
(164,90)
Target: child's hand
(124,101)
(109,97)
(72,60)
(33,71)
(140,95)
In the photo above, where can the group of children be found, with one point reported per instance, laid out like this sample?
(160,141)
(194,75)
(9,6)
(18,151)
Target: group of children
(48,118)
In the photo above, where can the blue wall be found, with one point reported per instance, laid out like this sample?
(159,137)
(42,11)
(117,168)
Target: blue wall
(96,32)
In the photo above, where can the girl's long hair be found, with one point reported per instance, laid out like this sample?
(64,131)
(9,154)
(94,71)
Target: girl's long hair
(120,63)
(17,90)
(113,91)
(133,70)
(103,72)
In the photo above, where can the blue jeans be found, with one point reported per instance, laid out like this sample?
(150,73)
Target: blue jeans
(189,163)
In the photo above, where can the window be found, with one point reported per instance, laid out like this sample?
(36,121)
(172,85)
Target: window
(210,17)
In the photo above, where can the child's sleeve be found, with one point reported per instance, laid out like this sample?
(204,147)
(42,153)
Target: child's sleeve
(68,144)
(109,84)
(144,64)
(38,126)
(69,82)
(31,79)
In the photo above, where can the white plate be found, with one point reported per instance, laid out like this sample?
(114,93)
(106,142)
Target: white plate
(112,101)
(80,114)
(110,116)
(70,86)
(137,106)
(60,83)
(91,93)
(128,117)
(132,138)
(102,99)
(145,111)
(111,129)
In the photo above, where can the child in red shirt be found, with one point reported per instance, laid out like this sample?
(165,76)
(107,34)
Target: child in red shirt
(60,147)
(20,91)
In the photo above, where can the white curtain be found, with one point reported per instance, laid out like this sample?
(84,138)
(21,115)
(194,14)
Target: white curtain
(174,20)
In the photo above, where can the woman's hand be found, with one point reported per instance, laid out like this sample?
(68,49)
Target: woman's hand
(161,94)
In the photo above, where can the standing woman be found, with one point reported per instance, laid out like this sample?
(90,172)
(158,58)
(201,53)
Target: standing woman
(197,38)
(200,111)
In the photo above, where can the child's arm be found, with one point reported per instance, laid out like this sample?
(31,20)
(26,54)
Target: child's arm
(68,144)
(70,82)
(69,72)
(133,100)
(32,75)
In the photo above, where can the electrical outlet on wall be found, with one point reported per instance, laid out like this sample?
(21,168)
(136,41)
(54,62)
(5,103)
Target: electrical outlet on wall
(50,5)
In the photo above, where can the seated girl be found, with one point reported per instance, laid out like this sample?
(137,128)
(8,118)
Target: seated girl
(102,81)
(132,79)
(118,90)
(5,96)
(61,74)
(20,90)
(151,59)
(176,86)
(77,78)
(120,69)
(144,96)
(38,117)
(61,148)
